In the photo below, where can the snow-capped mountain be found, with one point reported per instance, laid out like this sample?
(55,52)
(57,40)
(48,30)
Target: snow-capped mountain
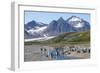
(78,24)
(33,24)
(40,30)
(34,29)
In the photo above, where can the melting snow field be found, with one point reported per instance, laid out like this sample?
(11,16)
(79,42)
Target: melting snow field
(40,39)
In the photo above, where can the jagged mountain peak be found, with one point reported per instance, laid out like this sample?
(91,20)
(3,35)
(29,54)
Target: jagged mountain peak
(74,18)
(54,21)
(60,19)
(31,22)
(76,22)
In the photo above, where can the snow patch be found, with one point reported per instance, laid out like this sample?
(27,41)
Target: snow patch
(76,22)
(37,30)
(79,25)
(39,39)
(75,19)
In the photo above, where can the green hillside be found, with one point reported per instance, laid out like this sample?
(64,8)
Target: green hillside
(66,38)
(72,37)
